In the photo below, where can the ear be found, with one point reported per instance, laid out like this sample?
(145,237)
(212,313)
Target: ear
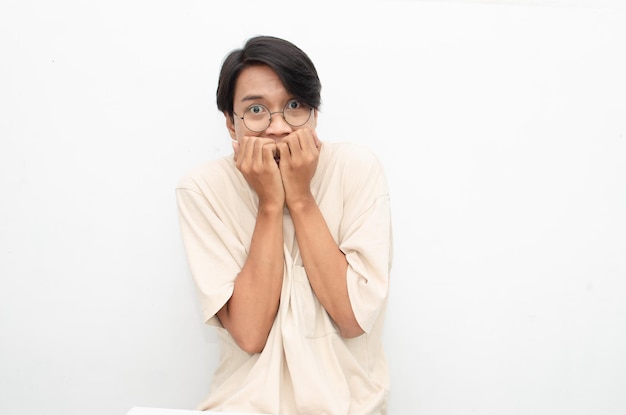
(230,125)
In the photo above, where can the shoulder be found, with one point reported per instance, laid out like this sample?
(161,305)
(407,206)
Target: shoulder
(352,167)
(209,175)
(353,156)
(348,150)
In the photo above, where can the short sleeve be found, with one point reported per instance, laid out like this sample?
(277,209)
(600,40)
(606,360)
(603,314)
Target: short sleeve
(366,238)
(215,256)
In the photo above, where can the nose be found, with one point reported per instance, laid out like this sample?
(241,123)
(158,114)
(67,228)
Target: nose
(278,126)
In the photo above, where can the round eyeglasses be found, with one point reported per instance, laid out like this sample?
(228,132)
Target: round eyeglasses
(257,117)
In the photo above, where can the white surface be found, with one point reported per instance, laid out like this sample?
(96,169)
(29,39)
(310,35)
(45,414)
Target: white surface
(503,132)
(165,411)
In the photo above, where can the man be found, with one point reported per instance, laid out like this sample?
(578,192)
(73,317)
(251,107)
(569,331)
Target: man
(289,243)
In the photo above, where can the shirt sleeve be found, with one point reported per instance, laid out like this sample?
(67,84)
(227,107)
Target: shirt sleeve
(366,238)
(215,256)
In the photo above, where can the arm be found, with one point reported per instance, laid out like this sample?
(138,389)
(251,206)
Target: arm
(326,266)
(250,312)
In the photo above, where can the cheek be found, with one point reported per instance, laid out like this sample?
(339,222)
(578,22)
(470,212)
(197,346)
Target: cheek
(242,131)
(239,132)
(237,129)
(313,121)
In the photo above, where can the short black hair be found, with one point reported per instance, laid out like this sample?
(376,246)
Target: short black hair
(293,67)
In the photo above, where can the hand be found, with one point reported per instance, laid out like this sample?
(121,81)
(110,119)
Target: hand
(254,157)
(299,155)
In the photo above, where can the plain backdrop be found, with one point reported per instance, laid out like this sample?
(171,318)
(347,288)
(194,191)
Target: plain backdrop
(501,125)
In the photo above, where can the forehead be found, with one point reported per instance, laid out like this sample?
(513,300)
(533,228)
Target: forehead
(259,82)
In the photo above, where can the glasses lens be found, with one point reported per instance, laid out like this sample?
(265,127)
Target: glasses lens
(297,114)
(256,118)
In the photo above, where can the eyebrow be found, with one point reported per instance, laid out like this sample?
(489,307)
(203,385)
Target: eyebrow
(251,98)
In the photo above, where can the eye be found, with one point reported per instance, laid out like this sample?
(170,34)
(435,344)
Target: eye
(256,109)
(293,104)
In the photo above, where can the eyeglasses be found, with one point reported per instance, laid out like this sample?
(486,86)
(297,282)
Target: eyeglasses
(257,117)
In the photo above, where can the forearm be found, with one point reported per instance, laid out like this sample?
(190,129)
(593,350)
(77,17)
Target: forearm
(250,312)
(326,266)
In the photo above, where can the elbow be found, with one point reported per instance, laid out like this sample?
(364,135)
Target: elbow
(351,334)
(251,344)
(249,337)
(347,325)
(350,331)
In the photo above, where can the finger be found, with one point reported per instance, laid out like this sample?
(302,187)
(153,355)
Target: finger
(306,141)
(246,149)
(235,149)
(318,143)
(257,153)
(270,153)
(282,148)
(293,143)
(310,140)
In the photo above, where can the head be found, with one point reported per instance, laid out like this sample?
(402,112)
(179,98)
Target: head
(272,69)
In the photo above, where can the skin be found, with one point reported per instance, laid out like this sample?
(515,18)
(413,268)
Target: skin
(250,312)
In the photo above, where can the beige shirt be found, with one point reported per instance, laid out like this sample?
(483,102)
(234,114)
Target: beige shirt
(306,367)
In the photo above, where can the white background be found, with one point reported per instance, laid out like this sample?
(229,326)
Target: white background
(502,128)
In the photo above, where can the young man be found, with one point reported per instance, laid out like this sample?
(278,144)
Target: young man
(289,243)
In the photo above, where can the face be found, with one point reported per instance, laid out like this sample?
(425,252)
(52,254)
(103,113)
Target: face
(259,84)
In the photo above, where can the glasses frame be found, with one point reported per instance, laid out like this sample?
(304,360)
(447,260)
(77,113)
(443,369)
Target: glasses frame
(241,117)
